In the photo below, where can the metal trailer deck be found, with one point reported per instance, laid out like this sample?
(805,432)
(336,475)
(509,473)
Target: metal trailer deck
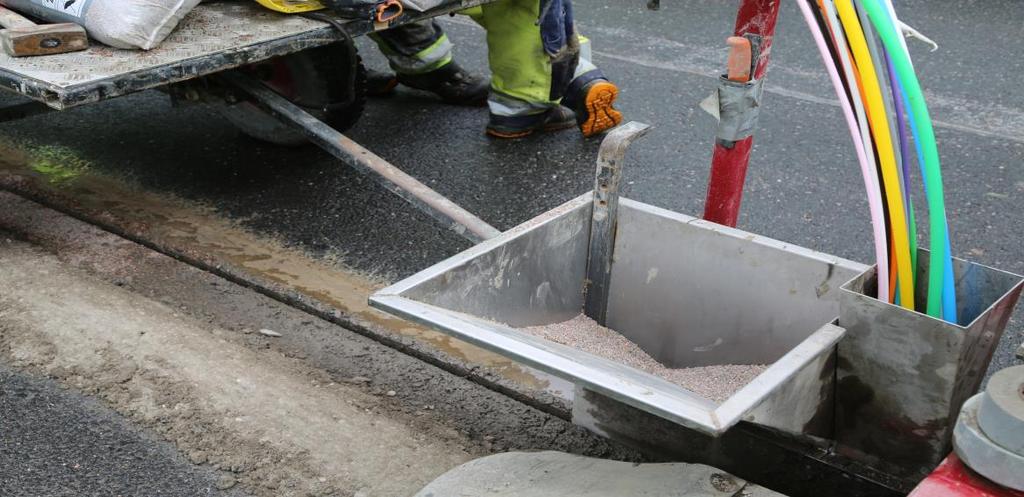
(211,42)
(214,37)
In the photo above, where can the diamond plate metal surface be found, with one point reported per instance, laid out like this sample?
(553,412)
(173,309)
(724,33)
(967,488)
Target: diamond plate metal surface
(236,31)
(212,38)
(206,30)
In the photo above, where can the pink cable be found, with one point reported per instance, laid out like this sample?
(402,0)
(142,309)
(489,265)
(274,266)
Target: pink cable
(867,169)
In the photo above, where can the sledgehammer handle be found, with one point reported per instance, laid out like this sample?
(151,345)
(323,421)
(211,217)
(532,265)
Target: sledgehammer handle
(21,37)
(12,19)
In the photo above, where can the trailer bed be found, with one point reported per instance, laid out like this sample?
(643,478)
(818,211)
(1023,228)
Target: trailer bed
(214,37)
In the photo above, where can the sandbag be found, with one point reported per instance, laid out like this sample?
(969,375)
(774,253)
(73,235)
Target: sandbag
(118,23)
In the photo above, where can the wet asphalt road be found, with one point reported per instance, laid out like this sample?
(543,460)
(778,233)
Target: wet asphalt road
(56,442)
(803,187)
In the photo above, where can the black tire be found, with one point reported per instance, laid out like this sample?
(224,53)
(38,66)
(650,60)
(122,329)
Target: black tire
(315,79)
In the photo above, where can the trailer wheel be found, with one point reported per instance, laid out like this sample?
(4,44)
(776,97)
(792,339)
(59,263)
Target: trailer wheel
(324,81)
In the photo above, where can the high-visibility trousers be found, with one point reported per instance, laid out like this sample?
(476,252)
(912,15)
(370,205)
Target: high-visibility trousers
(521,70)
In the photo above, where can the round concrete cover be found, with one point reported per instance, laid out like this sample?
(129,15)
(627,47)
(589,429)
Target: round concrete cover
(556,474)
(1001,414)
(981,454)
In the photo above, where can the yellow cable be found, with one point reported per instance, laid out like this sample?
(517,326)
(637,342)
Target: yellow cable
(291,6)
(880,129)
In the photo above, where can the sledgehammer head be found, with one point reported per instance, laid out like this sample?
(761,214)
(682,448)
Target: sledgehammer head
(43,39)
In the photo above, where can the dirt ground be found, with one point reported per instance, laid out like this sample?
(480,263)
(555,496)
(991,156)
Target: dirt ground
(281,426)
(57,442)
(196,360)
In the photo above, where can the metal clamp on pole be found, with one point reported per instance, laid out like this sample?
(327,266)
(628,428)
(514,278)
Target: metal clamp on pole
(737,106)
(419,195)
(736,103)
(604,217)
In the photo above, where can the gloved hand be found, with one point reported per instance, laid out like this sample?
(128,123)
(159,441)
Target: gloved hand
(373,10)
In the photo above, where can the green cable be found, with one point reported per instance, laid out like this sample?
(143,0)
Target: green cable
(882,68)
(933,179)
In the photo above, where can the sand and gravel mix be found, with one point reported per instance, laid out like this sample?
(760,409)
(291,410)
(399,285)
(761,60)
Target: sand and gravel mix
(716,383)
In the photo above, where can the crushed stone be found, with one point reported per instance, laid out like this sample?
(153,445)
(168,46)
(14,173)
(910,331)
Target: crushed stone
(716,383)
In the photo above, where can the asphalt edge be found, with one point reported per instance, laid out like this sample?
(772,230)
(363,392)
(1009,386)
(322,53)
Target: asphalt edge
(545,402)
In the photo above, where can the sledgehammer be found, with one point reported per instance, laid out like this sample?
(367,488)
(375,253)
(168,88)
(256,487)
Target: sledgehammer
(24,37)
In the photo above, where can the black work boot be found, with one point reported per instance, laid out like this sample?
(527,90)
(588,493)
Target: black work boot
(452,83)
(592,97)
(380,83)
(553,119)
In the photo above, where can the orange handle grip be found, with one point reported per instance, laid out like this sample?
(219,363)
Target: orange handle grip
(739,59)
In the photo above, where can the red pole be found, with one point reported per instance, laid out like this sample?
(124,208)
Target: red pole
(729,164)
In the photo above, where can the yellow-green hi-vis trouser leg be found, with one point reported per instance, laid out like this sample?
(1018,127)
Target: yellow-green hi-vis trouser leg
(520,68)
(415,48)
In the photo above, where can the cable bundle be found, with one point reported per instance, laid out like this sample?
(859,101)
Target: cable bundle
(880,96)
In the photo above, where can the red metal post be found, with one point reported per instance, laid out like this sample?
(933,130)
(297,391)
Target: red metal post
(953,479)
(729,164)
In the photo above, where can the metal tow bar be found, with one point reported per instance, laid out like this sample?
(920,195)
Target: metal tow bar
(419,195)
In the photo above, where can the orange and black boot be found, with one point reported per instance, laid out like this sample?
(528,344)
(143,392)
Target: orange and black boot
(592,97)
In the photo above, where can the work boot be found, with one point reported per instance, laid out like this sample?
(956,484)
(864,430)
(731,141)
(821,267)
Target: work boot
(380,83)
(452,83)
(592,98)
(553,119)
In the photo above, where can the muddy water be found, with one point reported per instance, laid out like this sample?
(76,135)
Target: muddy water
(202,234)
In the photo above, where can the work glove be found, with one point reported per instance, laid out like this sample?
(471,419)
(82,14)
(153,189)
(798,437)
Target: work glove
(373,10)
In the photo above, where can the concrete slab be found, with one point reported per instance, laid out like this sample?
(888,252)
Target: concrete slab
(549,474)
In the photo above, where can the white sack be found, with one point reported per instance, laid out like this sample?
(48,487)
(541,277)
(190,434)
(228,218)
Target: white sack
(118,23)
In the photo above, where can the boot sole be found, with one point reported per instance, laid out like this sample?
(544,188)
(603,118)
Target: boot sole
(527,132)
(508,135)
(601,113)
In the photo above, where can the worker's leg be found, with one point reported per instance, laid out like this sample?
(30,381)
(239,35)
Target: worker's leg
(421,56)
(520,69)
(585,65)
(414,48)
(527,82)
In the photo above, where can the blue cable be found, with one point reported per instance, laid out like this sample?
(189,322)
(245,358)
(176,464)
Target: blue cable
(949,313)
